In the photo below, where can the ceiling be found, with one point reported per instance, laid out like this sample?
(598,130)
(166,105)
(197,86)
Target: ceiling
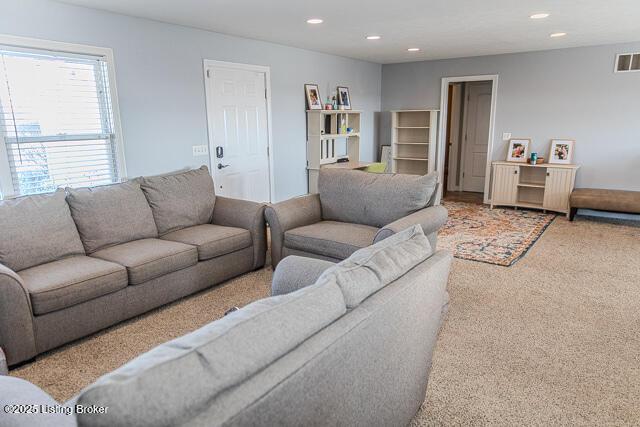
(440,28)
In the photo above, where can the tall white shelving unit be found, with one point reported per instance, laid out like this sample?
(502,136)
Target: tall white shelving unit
(414,139)
(325,130)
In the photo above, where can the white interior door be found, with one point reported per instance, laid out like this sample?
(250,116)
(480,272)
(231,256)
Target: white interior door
(477,117)
(238,133)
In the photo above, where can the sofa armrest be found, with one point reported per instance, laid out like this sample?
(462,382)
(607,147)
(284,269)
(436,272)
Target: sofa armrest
(17,337)
(244,214)
(290,214)
(431,219)
(295,272)
(18,392)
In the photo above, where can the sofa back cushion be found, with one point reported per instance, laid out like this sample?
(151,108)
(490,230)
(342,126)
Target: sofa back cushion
(180,200)
(170,384)
(37,229)
(370,198)
(370,269)
(111,214)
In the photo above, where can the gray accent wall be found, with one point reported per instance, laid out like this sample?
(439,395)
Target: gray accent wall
(566,93)
(160,79)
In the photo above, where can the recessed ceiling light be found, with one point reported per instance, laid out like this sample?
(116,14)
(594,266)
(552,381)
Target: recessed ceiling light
(539,16)
(554,35)
(373,37)
(414,49)
(314,21)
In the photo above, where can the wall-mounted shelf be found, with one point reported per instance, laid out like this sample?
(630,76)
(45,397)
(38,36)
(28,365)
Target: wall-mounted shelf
(413,141)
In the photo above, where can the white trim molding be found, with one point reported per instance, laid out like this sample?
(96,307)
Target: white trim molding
(264,69)
(73,49)
(443,126)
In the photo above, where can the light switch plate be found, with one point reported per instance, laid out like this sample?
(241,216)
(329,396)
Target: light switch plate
(506,136)
(200,150)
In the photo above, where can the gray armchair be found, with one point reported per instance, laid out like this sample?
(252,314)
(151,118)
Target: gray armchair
(352,210)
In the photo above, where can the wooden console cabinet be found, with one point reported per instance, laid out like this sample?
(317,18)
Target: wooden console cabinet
(544,186)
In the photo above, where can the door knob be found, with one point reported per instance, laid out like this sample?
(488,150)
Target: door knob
(221,166)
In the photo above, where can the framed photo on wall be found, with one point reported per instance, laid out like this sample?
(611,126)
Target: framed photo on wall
(561,151)
(313,97)
(344,99)
(518,150)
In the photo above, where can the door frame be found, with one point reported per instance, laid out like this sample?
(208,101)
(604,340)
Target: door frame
(442,133)
(454,149)
(209,64)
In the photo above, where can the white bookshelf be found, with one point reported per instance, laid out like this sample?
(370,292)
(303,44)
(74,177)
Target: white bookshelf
(325,134)
(414,136)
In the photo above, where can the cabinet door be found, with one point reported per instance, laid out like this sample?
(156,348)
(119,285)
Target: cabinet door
(558,186)
(505,184)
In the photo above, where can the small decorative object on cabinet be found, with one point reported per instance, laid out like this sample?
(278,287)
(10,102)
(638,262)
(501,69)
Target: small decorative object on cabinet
(313,97)
(518,150)
(538,160)
(414,138)
(328,105)
(541,186)
(332,135)
(561,151)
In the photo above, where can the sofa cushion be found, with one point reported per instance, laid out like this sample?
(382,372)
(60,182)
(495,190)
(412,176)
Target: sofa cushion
(36,230)
(371,269)
(330,238)
(180,200)
(370,198)
(147,259)
(111,214)
(172,383)
(70,281)
(212,240)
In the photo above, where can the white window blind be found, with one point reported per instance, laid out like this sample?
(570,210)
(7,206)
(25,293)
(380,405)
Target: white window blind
(56,120)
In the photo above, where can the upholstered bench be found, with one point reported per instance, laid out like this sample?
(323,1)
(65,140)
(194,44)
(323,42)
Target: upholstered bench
(604,200)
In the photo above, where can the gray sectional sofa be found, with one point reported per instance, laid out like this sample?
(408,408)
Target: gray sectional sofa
(352,210)
(343,344)
(77,261)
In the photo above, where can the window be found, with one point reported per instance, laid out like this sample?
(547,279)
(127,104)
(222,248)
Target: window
(626,62)
(57,122)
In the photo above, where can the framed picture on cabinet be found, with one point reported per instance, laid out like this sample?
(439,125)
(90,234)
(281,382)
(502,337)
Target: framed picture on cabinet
(313,97)
(518,150)
(344,99)
(561,151)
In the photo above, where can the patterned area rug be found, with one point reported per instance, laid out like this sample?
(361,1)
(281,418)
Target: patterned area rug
(494,236)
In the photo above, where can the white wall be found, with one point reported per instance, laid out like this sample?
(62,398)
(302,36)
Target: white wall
(159,72)
(570,93)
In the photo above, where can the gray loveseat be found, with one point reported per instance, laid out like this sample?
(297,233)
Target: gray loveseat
(351,347)
(75,262)
(352,210)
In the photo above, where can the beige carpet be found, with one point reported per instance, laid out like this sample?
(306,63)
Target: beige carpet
(554,339)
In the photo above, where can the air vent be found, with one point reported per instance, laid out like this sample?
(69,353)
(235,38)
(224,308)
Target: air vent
(626,62)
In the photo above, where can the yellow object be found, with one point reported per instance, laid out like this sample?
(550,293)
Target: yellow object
(376,168)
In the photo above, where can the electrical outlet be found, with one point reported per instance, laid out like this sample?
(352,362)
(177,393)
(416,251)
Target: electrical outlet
(506,136)
(200,150)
